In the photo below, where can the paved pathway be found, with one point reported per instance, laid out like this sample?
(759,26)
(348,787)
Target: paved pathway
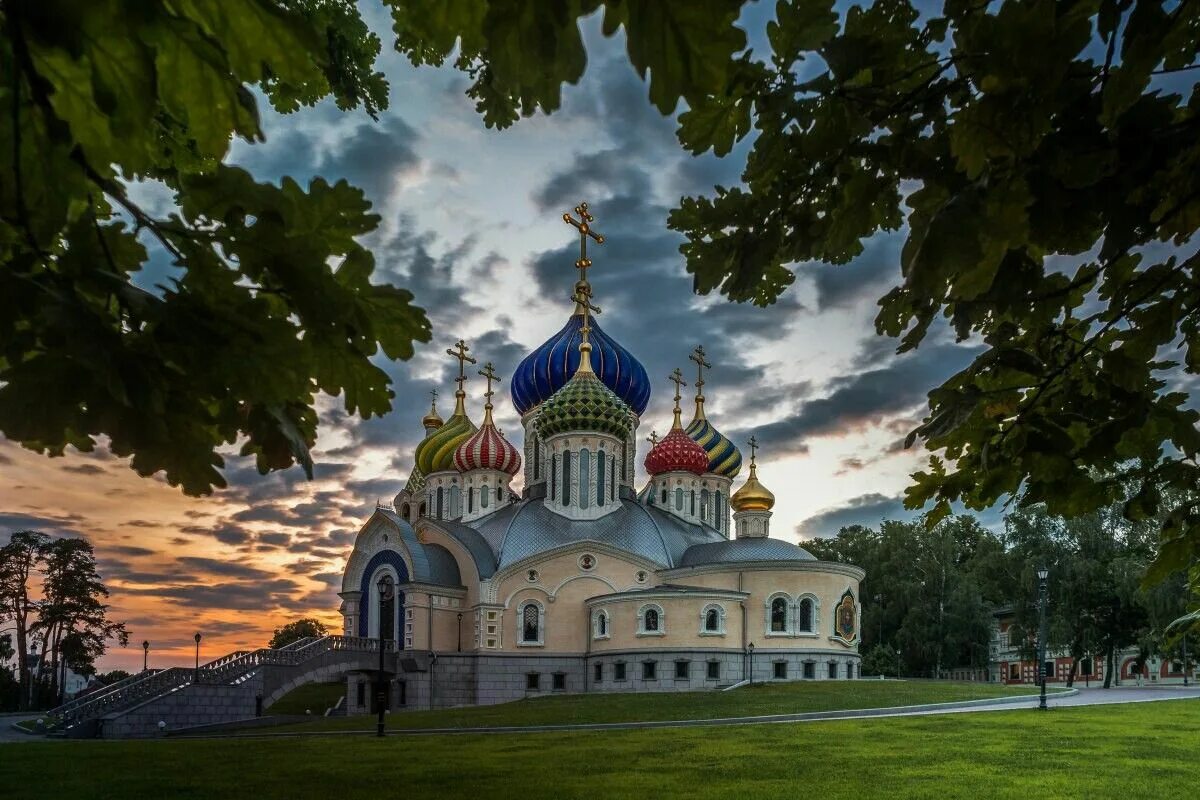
(7,734)
(1079,697)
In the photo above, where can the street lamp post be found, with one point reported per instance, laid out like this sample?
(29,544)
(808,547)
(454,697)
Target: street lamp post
(1042,574)
(197,638)
(1185,662)
(460,631)
(145,654)
(750,650)
(384,586)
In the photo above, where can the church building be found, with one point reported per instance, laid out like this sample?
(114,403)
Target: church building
(584,582)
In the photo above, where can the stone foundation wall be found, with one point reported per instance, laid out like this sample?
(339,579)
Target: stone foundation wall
(196,704)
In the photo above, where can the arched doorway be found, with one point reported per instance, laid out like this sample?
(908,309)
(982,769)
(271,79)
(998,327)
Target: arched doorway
(373,608)
(387,608)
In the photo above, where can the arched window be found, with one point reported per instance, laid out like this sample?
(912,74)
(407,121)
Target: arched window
(421,510)
(712,620)
(612,489)
(531,619)
(678,499)
(692,504)
(704,505)
(471,500)
(600,625)
(553,477)
(483,497)
(404,510)
(455,502)
(779,614)
(585,477)
(566,478)
(664,496)
(440,508)
(804,621)
(537,459)
(601,463)
(651,620)
(622,463)
(718,512)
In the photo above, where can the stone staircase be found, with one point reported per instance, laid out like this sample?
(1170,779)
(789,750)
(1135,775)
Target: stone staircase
(81,717)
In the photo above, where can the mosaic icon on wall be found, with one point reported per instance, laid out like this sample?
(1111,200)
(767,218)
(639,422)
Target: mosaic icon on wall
(844,617)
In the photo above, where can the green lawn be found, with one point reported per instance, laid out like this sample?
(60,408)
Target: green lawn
(315,697)
(773,698)
(1128,751)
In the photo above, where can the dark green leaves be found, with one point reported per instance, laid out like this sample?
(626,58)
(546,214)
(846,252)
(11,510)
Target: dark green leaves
(274,300)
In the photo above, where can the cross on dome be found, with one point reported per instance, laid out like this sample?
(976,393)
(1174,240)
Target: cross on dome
(488,372)
(459,351)
(583,290)
(676,377)
(585,230)
(753,449)
(652,438)
(698,355)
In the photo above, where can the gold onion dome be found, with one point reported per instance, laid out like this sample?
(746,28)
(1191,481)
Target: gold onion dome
(753,496)
(432,420)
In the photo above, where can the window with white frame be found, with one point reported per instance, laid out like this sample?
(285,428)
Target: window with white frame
(806,614)
(600,625)
(531,623)
(779,615)
(712,620)
(651,620)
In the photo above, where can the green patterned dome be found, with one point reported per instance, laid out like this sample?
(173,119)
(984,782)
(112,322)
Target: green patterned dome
(584,404)
(436,452)
(416,481)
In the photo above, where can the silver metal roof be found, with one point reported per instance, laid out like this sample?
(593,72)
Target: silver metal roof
(743,550)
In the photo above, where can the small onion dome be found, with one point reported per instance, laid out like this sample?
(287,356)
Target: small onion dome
(432,420)
(753,496)
(676,452)
(723,456)
(584,404)
(436,452)
(487,449)
(548,368)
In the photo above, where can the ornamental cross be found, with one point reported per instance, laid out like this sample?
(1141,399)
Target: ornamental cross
(698,356)
(489,372)
(652,438)
(676,377)
(753,448)
(433,399)
(460,351)
(585,230)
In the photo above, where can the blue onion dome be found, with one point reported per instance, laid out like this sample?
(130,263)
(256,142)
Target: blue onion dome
(584,404)
(547,369)
(436,452)
(723,456)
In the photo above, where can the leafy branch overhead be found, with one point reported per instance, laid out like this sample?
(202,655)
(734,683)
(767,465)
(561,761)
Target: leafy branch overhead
(1045,159)
(271,299)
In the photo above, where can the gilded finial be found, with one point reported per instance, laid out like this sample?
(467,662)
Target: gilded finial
(488,372)
(701,364)
(459,351)
(676,377)
(432,420)
(753,496)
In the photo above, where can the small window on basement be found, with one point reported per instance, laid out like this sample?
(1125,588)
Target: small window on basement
(714,671)
(619,671)
(681,670)
(559,681)
(833,669)
(649,670)
(781,669)
(810,670)
(532,680)
(362,694)
(598,673)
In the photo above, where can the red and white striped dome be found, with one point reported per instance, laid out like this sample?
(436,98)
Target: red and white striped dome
(676,452)
(487,449)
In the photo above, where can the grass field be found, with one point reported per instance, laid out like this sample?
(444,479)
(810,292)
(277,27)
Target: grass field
(1127,751)
(315,697)
(772,698)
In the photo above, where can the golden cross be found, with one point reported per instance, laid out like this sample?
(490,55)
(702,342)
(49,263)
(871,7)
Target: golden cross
(460,351)
(489,372)
(652,438)
(753,448)
(676,377)
(585,230)
(433,400)
(698,356)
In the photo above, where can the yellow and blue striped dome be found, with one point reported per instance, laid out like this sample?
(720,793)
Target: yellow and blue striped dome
(723,456)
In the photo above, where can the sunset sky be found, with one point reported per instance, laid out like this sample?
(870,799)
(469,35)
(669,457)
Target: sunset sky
(472,225)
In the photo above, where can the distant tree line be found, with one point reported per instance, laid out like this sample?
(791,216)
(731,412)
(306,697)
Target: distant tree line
(51,599)
(931,592)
